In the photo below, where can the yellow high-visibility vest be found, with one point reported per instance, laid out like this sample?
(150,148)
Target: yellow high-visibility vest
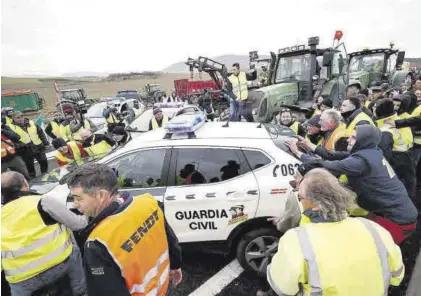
(55,129)
(307,258)
(8,120)
(402,138)
(76,135)
(239,86)
(28,136)
(111,119)
(294,127)
(416,112)
(65,132)
(74,150)
(97,149)
(358,118)
(339,133)
(28,246)
(155,123)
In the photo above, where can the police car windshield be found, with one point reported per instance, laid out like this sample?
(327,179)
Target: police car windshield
(95,111)
(279,134)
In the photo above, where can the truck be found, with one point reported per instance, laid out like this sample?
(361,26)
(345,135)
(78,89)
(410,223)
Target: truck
(185,88)
(373,67)
(298,75)
(23,101)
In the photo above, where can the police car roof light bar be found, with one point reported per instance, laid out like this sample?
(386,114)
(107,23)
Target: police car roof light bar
(185,124)
(168,105)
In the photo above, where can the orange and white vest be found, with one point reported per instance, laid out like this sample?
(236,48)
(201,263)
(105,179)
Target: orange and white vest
(7,148)
(137,241)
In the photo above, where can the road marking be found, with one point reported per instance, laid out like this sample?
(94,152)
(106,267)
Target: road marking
(220,280)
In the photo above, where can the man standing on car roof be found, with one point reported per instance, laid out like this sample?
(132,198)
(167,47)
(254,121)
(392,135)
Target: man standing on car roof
(238,81)
(131,249)
(158,120)
(34,139)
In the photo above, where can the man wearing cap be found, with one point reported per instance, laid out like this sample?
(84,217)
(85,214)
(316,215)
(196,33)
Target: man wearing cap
(314,134)
(121,136)
(326,104)
(158,120)
(35,141)
(68,152)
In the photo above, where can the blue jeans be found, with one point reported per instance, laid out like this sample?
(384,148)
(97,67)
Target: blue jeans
(72,267)
(237,110)
(233,110)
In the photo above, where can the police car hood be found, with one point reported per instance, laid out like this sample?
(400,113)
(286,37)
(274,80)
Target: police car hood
(368,137)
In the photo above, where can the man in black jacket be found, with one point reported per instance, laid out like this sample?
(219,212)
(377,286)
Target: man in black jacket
(121,262)
(371,177)
(396,145)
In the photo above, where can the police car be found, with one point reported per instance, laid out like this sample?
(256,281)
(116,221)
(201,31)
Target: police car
(219,181)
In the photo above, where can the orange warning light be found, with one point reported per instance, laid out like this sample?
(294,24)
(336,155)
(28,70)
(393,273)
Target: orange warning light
(338,35)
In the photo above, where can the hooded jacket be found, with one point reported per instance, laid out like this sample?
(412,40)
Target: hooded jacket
(370,176)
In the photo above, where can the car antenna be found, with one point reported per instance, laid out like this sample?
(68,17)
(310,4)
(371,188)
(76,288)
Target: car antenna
(227,124)
(260,125)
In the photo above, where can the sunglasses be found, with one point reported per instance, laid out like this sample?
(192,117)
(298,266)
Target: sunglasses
(285,110)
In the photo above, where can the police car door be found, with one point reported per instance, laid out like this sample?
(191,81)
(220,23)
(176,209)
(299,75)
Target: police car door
(210,192)
(143,171)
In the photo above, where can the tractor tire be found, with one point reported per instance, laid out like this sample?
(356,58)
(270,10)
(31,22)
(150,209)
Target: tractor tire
(256,249)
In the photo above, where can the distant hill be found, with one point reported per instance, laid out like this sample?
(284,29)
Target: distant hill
(85,74)
(228,60)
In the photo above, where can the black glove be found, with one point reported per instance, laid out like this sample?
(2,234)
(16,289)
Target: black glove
(304,168)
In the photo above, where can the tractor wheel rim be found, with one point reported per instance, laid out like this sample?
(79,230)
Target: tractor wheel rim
(259,252)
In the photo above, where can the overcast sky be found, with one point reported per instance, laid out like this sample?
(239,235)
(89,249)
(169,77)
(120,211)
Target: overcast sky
(52,37)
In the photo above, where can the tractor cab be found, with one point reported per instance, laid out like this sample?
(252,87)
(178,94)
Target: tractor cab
(301,74)
(375,67)
(74,95)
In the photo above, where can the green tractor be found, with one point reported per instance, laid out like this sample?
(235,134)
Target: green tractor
(373,67)
(298,75)
(151,93)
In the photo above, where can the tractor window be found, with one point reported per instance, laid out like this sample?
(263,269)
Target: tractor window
(323,70)
(294,68)
(335,64)
(368,62)
(391,63)
(72,95)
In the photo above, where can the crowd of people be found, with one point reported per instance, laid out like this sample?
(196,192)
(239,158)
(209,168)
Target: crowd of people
(358,179)
(356,184)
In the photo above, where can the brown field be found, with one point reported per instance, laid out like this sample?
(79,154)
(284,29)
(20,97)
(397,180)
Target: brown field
(94,87)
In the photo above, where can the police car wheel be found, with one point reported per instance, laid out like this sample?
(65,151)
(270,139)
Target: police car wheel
(256,249)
